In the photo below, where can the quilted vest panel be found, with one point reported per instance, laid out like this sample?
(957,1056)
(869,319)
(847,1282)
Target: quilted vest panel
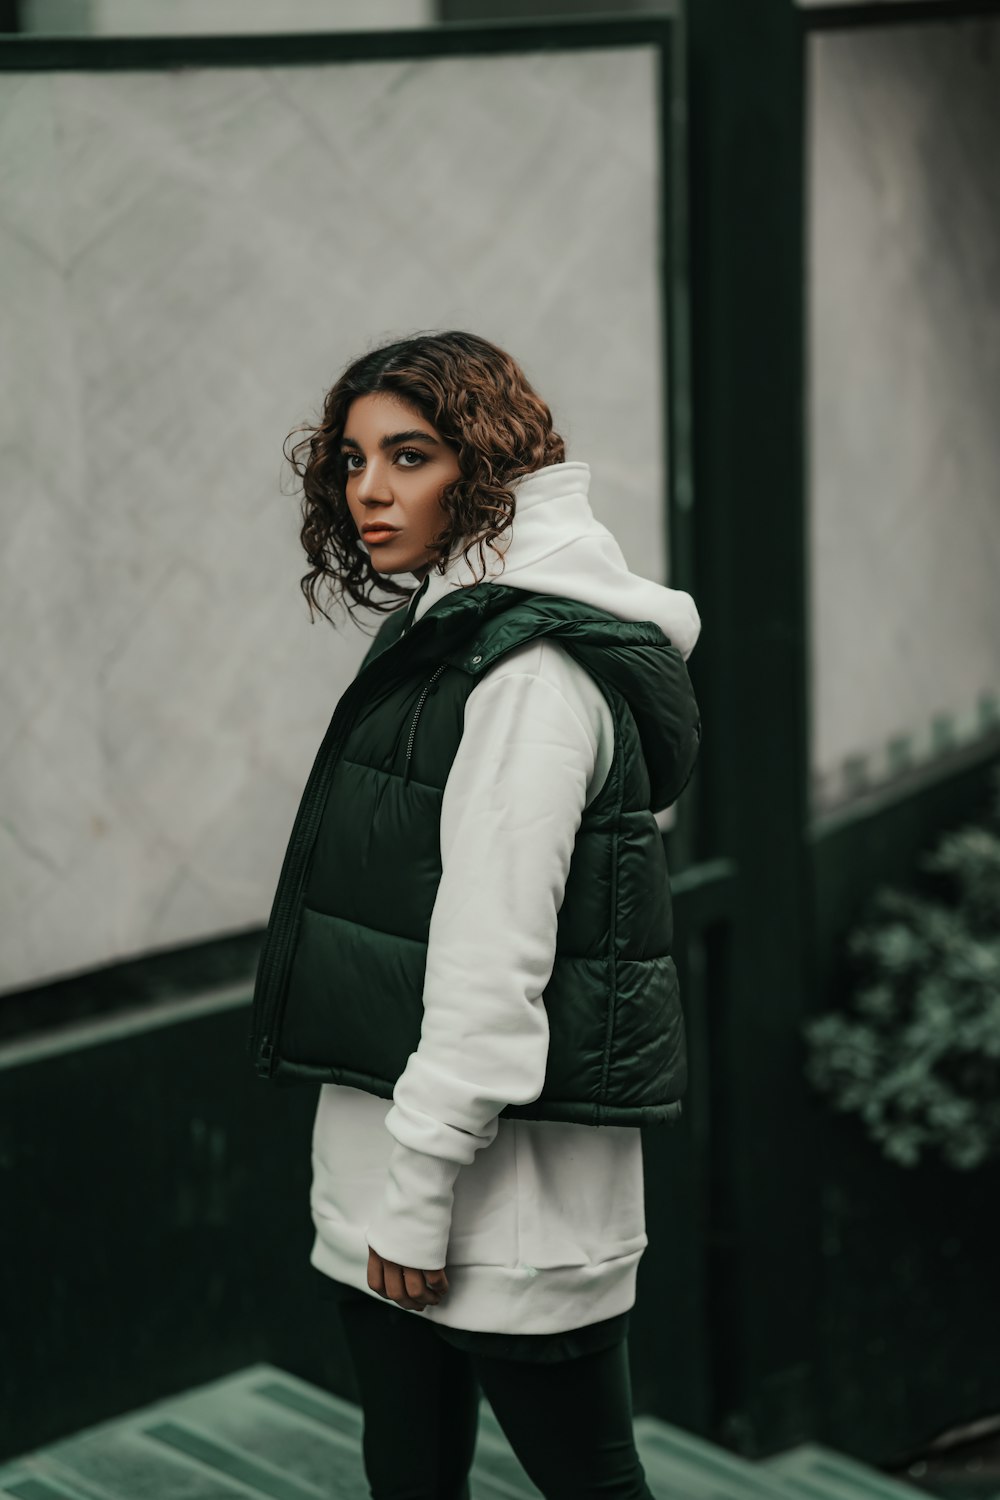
(339,986)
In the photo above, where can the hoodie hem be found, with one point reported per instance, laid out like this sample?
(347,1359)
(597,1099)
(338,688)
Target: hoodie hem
(495,1299)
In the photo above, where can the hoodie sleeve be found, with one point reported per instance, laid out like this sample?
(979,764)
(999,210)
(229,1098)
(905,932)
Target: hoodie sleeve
(512,805)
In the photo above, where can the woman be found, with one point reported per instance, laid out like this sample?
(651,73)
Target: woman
(473,922)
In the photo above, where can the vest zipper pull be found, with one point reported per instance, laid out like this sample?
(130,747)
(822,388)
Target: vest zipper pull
(416,714)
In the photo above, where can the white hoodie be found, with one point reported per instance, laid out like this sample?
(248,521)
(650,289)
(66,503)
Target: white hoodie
(539,1224)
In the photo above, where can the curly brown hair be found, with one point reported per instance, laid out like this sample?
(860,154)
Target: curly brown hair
(480,402)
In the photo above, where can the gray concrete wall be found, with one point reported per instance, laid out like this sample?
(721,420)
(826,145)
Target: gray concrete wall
(904,473)
(189,259)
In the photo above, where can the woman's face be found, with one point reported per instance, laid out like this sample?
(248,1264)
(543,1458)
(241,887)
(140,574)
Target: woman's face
(395,467)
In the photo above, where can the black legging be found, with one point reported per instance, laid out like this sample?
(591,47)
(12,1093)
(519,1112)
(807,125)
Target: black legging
(569,1422)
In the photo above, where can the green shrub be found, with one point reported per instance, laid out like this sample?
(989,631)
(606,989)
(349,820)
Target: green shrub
(916,1053)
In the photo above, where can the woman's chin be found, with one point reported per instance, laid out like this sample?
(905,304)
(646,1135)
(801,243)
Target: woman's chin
(383,565)
(417,566)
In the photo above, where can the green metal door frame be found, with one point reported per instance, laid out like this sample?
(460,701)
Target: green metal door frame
(745,114)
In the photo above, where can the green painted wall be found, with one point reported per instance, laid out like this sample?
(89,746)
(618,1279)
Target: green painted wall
(155,1228)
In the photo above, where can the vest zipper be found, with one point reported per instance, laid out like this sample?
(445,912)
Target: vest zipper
(416,714)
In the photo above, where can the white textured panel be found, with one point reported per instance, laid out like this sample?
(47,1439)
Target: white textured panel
(189,259)
(905,375)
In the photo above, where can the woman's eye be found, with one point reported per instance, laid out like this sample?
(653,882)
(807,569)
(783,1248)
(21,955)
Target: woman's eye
(403,453)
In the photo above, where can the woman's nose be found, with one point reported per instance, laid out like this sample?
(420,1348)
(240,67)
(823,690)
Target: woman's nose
(373,485)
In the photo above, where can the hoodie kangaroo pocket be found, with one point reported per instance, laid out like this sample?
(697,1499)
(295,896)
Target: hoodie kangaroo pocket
(485,1212)
(581,1193)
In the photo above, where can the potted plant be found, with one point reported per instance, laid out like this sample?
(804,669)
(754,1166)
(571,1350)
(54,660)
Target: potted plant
(915,1053)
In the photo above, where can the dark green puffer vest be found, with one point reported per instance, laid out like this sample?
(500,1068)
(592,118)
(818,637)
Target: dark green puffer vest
(338,995)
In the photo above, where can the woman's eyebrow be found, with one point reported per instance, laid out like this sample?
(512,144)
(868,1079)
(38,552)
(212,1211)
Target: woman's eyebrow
(415,435)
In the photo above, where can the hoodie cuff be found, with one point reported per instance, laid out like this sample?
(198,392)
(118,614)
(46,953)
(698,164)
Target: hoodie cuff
(412,1222)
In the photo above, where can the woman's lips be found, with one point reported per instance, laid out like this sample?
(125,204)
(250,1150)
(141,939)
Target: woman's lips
(382,534)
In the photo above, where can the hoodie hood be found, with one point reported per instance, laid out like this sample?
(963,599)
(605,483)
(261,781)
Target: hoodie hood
(556,545)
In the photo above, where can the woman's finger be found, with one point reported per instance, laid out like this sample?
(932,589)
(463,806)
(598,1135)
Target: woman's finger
(376,1273)
(417,1288)
(395,1286)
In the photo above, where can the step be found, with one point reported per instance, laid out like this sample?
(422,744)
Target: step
(824,1474)
(264,1432)
(260,1432)
(677,1463)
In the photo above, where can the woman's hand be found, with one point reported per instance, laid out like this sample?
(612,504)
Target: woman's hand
(415,1290)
